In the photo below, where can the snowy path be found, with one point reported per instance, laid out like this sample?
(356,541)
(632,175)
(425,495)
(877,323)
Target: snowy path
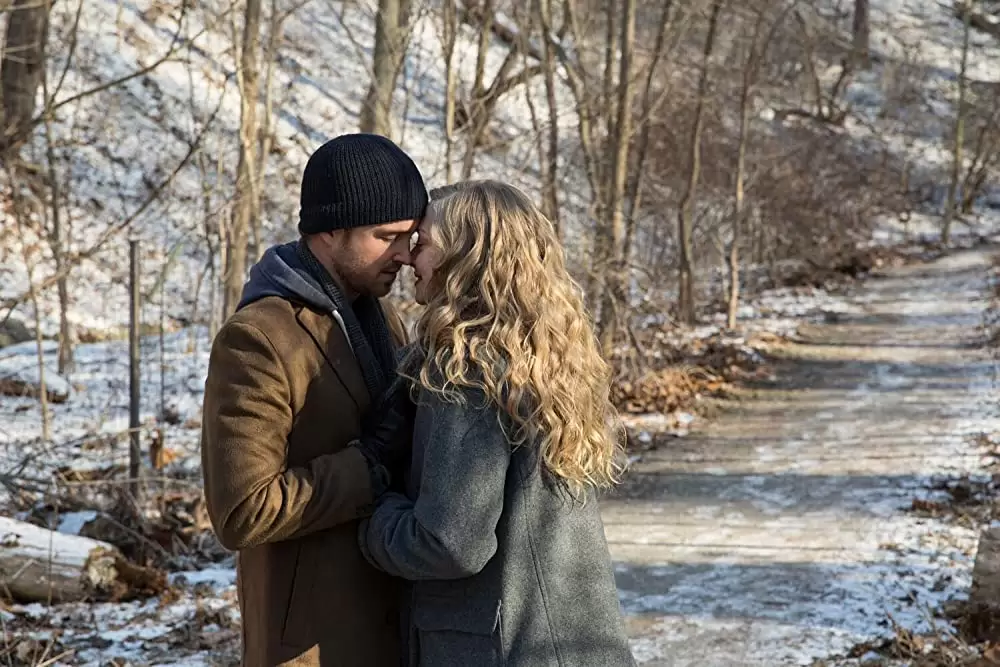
(778,534)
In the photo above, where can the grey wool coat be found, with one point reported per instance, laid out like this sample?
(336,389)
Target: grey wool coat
(506,569)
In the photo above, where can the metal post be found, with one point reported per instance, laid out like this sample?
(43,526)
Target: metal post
(134,453)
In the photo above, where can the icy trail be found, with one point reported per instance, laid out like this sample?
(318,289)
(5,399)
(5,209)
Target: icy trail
(778,534)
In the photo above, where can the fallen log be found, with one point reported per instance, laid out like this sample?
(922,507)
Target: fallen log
(19,376)
(37,564)
(19,388)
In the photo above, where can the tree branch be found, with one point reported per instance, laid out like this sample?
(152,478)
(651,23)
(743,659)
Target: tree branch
(73,260)
(175,45)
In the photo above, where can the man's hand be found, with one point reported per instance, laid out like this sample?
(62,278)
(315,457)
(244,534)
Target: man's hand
(386,435)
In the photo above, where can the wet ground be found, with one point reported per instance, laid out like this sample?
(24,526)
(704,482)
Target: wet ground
(779,532)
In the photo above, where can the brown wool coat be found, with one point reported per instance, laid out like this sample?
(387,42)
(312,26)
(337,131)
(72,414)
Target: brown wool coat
(283,399)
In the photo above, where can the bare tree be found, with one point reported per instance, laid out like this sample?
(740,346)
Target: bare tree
(756,52)
(685,215)
(54,103)
(959,138)
(390,38)
(275,37)
(585,103)
(57,233)
(817,39)
(247,203)
(670,24)
(449,35)
(615,297)
(985,150)
(550,192)
(479,109)
(21,69)
(592,106)
(265,129)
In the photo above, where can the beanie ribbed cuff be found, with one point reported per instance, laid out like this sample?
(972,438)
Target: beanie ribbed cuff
(327,217)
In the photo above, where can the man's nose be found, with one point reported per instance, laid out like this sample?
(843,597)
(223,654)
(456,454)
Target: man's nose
(403,256)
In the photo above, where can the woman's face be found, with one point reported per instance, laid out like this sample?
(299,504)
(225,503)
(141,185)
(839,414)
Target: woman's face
(426,257)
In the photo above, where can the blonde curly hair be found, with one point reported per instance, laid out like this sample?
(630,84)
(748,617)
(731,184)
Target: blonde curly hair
(508,319)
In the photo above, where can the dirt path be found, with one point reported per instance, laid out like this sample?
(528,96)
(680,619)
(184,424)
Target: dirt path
(779,532)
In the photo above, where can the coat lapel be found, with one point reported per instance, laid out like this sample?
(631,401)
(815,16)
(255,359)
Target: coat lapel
(335,348)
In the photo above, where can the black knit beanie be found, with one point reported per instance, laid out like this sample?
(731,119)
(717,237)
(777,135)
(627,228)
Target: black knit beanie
(359,179)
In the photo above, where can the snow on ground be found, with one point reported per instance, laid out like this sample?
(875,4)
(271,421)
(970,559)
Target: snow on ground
(779,533)
(89,428)
(197,626)
(777,312)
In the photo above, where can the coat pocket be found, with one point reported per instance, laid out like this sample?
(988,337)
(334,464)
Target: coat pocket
(458,632)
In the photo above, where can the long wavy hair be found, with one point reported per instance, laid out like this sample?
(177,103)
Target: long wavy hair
(507,318)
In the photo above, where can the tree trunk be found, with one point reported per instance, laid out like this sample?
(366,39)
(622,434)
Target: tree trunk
(860,30)
(57,238)
(43,390)
(749,77)
(377,107)
(608,85)
(450,35)
(485,30)
(616,291)
(21,69)
(956,160)
(603,258)
(476,120)
(246,206)
(634,195)
(265,133)
(590,142)
(733,259)
(685,216)
(550,193)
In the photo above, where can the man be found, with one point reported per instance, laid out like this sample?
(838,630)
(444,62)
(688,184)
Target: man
(291,377)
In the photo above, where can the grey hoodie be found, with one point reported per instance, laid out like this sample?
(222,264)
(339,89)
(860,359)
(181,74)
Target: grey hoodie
(280,272)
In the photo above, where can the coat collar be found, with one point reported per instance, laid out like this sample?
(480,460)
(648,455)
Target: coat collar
(333,344)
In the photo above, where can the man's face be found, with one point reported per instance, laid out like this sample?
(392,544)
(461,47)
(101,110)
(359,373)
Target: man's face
(426,257)
(367,259)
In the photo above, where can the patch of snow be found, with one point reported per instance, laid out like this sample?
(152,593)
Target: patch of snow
(71,523)
(216,577)
(35,542)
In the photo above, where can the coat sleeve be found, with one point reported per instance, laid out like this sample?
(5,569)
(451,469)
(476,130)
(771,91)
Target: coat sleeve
(449,532)
(253,496)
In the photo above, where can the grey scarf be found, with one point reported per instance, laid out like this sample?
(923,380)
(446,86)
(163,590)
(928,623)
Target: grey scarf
(367,329)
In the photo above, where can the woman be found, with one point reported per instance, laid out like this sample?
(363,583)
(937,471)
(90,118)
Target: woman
(513,434)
